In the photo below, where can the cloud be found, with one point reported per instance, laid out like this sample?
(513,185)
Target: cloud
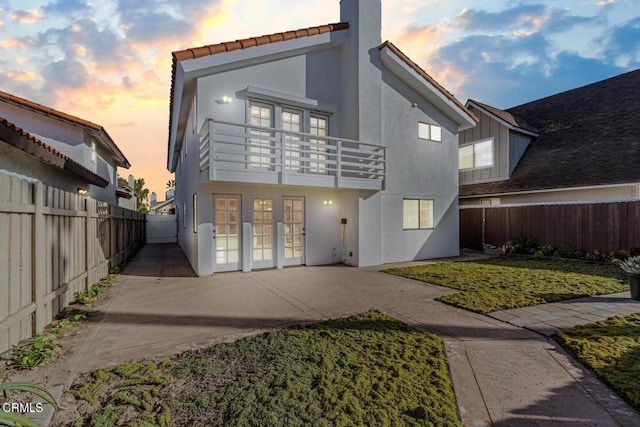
(26,16)
(521,20)
(622,44)
(68,8)
(153,20)
(66,74)
(504,72)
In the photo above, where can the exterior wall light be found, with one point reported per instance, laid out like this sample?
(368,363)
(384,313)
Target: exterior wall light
(328,202)
(226,99)
(82,191)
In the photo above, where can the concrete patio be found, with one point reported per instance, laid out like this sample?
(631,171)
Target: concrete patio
(503,374)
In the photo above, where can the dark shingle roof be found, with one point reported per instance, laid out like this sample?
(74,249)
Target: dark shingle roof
(588,136)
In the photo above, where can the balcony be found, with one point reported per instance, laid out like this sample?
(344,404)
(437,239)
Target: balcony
(239,152)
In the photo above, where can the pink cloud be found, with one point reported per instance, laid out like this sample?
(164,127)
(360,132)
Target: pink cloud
(26,16)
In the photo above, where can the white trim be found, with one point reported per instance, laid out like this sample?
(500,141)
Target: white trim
(281,97)
(561,203)
(502,121)
(550,190)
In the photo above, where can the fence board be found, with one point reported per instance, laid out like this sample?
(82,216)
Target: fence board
(56,243)
(607,226)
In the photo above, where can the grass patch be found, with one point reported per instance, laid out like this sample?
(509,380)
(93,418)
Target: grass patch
(611,348)
(501,283)
(368,369)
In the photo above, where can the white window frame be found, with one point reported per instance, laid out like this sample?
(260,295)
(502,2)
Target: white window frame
(473,144)
(426,132)
(195,212)
(305,125)
(419,227)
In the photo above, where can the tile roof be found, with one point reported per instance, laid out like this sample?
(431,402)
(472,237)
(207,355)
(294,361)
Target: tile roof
(212,49)
(425,76)
(25,103)
(23,140)
(589,136)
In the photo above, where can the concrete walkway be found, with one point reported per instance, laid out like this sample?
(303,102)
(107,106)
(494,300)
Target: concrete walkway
(546,319)
(502,374)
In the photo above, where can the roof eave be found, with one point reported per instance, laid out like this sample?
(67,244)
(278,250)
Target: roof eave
(480,107)
(418,79)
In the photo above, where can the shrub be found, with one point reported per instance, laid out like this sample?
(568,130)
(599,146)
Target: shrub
(521,245)
(545,250)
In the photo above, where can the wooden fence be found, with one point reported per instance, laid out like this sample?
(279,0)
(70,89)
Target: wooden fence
(53,244)
(606,226)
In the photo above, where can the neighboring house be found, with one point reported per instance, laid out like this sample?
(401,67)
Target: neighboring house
(126,194)
(312,146)
(82,149)
(579,145)
(165,207)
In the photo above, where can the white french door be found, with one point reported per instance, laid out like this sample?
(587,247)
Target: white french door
(226,240)
(263,251)
(294,231)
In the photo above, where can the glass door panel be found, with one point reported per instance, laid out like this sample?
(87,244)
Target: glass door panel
(294,231)
(262,256)
(227,232)
(291,122)
(260,142)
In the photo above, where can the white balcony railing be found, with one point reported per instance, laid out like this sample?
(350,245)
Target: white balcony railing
(244,153)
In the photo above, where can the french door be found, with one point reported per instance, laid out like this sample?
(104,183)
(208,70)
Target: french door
(263,250)
(226,238)
(294,231)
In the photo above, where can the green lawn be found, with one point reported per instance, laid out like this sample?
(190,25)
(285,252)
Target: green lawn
(611,348)
(501,283)
(368,369)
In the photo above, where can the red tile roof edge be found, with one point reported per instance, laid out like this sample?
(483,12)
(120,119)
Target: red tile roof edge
(26,136)
(230,46)
(426,76)
(60,115)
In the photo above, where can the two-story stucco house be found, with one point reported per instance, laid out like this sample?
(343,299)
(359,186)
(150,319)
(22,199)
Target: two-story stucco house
(313,146)
(71,154)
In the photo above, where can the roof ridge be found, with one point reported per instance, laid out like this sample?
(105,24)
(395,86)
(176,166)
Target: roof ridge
(228,46)
(48,110)
(37,141)
(64,116)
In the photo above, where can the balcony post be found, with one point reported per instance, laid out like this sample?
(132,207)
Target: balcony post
(338,164)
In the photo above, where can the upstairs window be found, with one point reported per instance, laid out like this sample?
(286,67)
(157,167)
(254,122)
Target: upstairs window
(429,132)
(476,155)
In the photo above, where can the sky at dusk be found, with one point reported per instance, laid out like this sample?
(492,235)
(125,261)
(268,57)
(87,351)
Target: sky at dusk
(110,61)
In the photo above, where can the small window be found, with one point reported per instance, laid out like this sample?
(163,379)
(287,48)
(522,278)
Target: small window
(430,132)
(476,155)
(417,214)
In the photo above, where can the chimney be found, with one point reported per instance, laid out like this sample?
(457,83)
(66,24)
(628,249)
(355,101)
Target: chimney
(131,181)
(154,198)
(361,70)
